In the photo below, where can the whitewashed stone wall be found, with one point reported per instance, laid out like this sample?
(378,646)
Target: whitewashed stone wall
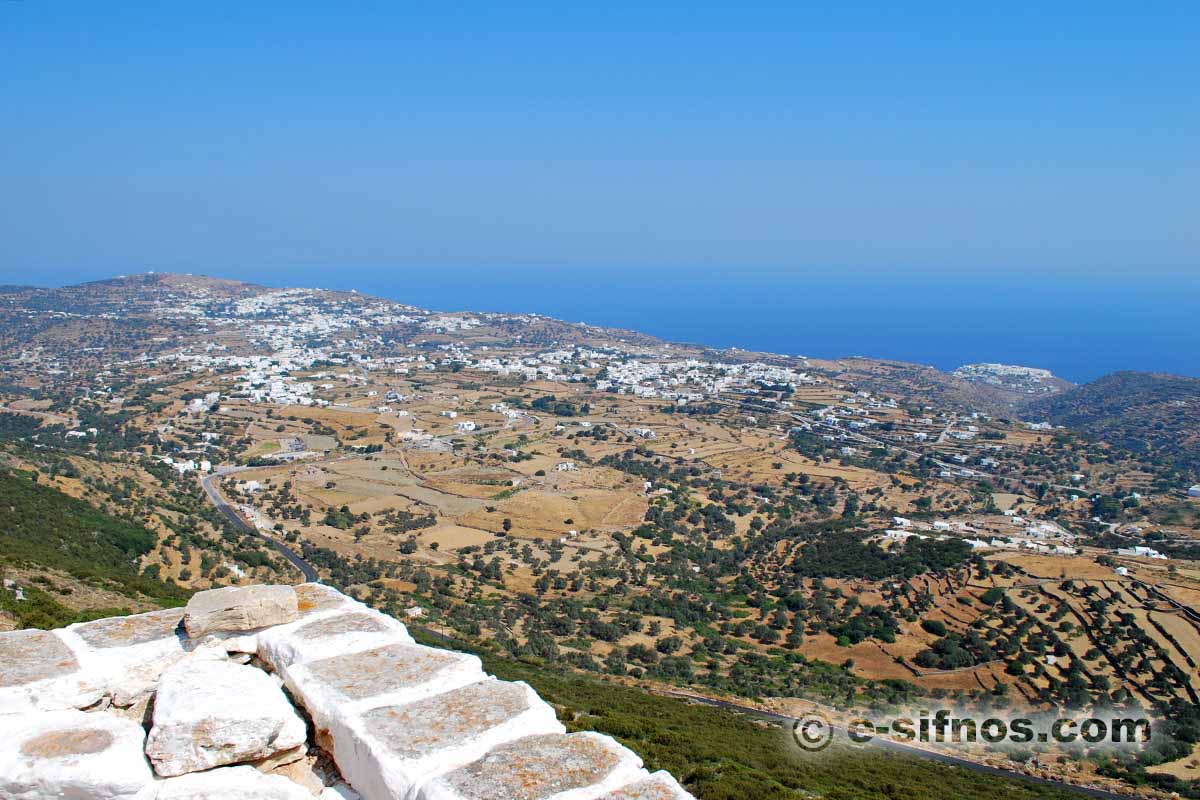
(284,694)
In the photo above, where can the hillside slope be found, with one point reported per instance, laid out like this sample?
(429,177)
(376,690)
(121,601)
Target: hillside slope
(42,529)
(1154,414)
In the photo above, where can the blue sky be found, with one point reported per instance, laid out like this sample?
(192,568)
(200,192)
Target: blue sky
(441,145)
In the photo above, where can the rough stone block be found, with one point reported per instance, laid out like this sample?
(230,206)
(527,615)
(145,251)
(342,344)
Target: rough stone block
(213,712)
(390,750)
(239,609)
(328,634)
(659,786)
(138,629)
(577,766)
(313,598)
(72,754)
(133,651)
(231,783)
(344,685)
(39,670)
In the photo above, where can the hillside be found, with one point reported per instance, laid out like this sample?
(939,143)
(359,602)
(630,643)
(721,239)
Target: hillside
(1151,414)
(1011,384)
(42,529)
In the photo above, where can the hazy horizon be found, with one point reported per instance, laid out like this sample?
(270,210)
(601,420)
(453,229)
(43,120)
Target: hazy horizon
(938,184)
(1012,323)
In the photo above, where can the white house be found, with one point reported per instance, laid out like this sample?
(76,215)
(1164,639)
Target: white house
(1194,491)
(566,466)
(1139,551)
(466,426)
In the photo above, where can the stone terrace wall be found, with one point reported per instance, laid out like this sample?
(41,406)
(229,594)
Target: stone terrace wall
(284,693)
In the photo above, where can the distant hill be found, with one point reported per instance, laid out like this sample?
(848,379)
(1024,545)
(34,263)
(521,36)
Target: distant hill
(1154,414)
(1012,384)
(966,389)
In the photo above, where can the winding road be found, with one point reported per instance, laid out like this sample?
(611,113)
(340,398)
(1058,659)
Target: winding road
(214,494)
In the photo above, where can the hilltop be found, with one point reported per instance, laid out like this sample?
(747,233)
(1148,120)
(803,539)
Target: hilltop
(1152,414)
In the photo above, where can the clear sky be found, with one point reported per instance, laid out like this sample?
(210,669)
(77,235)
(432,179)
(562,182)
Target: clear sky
(441,144)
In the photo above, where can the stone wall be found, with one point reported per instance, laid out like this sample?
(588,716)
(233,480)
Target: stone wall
(286,694)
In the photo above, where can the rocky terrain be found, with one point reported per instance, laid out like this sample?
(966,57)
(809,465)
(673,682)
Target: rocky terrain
(283,693)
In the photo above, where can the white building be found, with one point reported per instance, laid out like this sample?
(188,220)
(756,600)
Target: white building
(566,466)
(1139,551)
(466,426)
(1194,491)
(900,535)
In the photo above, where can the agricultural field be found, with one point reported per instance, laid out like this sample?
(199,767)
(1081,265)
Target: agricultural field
(753,528)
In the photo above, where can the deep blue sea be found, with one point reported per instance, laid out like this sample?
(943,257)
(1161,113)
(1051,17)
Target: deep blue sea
(1079,329)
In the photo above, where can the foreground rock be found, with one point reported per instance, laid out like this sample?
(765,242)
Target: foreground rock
(351,629)
(72,754)
(391,750)
(209,713)
(540,768)
(239,609)
(333,688)
(38,670)
(232,783)
(391,719)
(132,652)
(659,786)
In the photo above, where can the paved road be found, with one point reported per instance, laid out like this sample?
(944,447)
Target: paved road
(917,752)
(214,494)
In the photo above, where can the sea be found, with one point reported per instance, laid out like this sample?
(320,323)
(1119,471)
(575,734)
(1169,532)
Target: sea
(1080,329)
